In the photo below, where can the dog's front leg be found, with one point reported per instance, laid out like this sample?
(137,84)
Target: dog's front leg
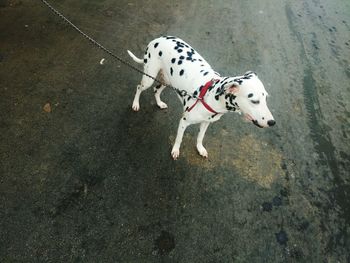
(175,152)
(202,129)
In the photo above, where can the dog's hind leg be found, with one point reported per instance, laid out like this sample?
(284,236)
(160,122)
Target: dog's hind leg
(152,69)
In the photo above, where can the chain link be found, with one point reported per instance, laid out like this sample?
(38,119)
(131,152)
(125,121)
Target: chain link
(94,42)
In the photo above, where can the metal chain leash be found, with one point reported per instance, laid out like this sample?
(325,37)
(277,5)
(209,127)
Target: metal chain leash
(94,42)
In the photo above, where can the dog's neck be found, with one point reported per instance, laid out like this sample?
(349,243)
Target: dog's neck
(220,99)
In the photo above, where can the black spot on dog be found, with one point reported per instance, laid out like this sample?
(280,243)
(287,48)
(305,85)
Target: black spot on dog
(160,53)
(201,71)
(173,60)
(206,73)
(171,71)
(179,50)
(156,45)
(149,55)
(230,108)
(220,91)
(145,60)
(217,97)
(181,57)
(239,81)
(170,37)
(224,79)
(182,72)
(176,47)
(223,85)
(232,98)
(195,93)
(189,54)
(180,45)
(180,62)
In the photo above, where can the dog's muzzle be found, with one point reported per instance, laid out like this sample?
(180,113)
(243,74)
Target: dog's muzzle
(255,122)
(270,123)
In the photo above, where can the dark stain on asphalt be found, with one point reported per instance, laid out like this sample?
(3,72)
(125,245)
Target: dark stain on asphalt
(277,201)
(319,134)
(267,206)
(165,243)
(282,238)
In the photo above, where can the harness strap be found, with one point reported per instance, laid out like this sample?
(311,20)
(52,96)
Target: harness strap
(201,98)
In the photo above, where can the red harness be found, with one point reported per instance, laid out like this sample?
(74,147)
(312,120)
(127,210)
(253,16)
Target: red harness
(201,98)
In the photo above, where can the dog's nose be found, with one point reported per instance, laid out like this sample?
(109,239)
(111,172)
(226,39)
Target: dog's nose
(271,123)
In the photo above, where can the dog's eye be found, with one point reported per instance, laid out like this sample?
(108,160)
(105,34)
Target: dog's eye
(255,101)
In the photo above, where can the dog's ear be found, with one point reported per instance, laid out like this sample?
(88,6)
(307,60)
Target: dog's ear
(250,73)
(233,88)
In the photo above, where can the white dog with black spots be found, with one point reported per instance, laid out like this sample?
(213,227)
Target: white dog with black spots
(207,95)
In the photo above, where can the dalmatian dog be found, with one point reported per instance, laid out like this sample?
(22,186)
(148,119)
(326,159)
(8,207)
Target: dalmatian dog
(205,95)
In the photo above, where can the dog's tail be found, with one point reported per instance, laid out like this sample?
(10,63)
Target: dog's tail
(136,59)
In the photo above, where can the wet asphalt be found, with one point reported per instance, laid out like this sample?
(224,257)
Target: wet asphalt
(85,179)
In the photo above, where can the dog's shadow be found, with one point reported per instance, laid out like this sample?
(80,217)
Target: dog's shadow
(142,137)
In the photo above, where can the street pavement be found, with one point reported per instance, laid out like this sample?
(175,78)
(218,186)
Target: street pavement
(83,178)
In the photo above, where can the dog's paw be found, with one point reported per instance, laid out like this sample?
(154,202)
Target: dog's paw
(175,153)
(136,106)
(202,151)
(162,105)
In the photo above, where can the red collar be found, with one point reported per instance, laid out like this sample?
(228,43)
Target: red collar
(201,97)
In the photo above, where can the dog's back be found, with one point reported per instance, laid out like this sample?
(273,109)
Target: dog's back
(181,65)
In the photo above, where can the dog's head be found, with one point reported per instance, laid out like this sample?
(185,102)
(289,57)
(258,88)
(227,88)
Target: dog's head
(250,96)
